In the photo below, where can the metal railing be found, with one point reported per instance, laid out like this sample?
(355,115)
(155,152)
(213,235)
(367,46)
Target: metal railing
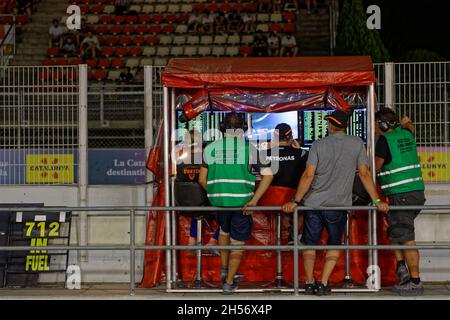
(132,247)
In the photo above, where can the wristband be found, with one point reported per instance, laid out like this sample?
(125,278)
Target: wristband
(377,201)
(296,202)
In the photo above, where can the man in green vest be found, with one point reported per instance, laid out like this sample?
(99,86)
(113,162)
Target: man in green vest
(400,176)
(226,177)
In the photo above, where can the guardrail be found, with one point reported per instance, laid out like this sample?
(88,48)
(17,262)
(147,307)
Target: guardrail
(134,211)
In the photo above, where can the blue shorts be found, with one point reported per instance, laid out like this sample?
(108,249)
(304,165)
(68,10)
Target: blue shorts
(238,225)
(333,221)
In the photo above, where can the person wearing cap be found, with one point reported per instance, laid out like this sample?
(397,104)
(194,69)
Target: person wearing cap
(327,182)
(400,177)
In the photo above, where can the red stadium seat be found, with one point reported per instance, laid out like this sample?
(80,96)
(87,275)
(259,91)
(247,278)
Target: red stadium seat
(104,63)
(212,7)
(84,9)
(245,51)
(155,29)
(275,27)
(111,40)
(118,63)
(97,9)
(128,29)
(53,52)
(101,29)
(171,18)
(141,29)
(144,19)
(119,19)
(199,7)
(108,51)
(157,18)
(91,63)
(21,19)
(251,8)
(135,51)
(124,41)
(48,62)
(225,8)
(101,40)
(116,29)
(289,16)
(75,61)
(289,27)
(183,19)
(132,19)
(100,75)
(121,51)
(238,7)
(62,62)
(168,28)
(105,19)
(151,40)
(140,40)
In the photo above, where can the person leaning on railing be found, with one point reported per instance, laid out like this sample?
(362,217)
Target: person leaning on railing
(328,182)
(400,176)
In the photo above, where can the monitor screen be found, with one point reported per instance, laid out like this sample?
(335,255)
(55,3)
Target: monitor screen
(314,126)
(263,124)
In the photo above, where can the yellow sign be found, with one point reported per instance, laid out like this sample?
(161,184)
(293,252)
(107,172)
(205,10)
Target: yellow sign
(435,164)
(49,168)
(38,260)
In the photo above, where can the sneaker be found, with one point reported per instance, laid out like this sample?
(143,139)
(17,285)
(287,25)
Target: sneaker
(237,277)
(229,288)
(323,290)
(410,289)
(310,289)
(402,274)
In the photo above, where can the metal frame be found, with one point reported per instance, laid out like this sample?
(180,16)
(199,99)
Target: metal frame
(133,211)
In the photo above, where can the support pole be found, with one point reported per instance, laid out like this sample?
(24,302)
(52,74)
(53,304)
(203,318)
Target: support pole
(167,187)
(348,278)
(389,89)
(82,160)
(279,277)
(132,252)
(296,276)
(148,128)
(172,187)
(198,278)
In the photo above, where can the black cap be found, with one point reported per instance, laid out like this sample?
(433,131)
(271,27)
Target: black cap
(338,119)
(284,131)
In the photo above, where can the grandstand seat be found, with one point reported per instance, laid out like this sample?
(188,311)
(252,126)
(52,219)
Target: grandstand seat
(160,62)
(289,17)
(75,61)
(139,40)
(186,8)
(121,51)
(116,29)
(151,40)
(171,18)
(181,28)
(251,8)
(144,19)
(135,51)
(155,29)
(128,30)
(190,51)
(199,7)
(276,17)
(21,20)
(160,8)
(245,51)
(108,51)
(53,52)
(61,62)
(149,51)
(141,29)
(183,18)
(119,19)
(114,75)
(97,9)
(192,40)
(225,7)
(204,51)
(218,51)
(264,27)
(165,40)
(84,9)
(91,63)
(232,51)
(146,62)
(132,19)
(125,40)
(111,40)
(168,29)
(132,62)
(179,40)
(101,29)
(176,51)
(237,7)
(220,39)
(109,9)
(135,7)
(162,51)
(148,8)
(262,17)
(206,40)
(247,39)
(212,7)
(234,39)
(289,27)
(173,8)
(100,75)
(275,27)
(48,62)
(105,19)
(118,63)
(104,63)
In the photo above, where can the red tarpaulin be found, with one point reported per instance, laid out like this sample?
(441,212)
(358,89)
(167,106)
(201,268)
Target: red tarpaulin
(263,85)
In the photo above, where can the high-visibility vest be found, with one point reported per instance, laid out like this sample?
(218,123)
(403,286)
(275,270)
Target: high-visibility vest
(403,173)
(229,182)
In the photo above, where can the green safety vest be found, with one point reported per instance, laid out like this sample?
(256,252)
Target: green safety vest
(403,173)
(229,182)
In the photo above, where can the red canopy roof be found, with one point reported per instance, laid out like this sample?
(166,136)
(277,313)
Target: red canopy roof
(296,72)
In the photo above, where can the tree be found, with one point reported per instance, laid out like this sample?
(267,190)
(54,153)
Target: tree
(420,55)
(353,36)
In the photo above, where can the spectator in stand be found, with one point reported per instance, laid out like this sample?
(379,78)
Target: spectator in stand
(55,34)
(121,6)
(69,47)
(259,45)
(264,5)
(291,5)
(314,6)
(221,23)
(208,22)
(139,76)
(126,77)
(25,7)
(276,6)
(247,23)
(234,21)
(274,45)
(90,46)
(82,32)
(288,46)
(194,22)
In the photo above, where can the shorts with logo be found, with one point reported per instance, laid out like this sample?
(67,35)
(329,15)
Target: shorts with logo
(401,223)
(238,225)
(315,221)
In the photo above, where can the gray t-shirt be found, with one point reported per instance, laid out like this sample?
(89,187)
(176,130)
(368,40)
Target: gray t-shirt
(336,159)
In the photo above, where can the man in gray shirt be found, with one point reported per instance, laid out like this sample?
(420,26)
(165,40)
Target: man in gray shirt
(328,182)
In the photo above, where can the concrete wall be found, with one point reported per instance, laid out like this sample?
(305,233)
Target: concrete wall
(113,266)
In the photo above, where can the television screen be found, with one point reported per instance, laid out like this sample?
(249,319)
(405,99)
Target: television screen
(263,124)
